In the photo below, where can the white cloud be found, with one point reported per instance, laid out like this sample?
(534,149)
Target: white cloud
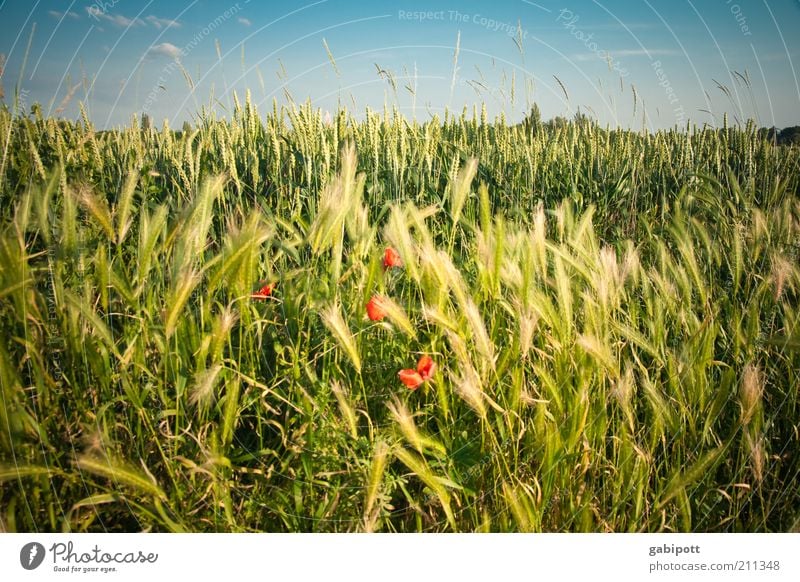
(124,21)
(166,49)
(631,53)
(776,57)
(162,22)
(244,21)
(59,15)
(118,19)
(99,14)
(644,53)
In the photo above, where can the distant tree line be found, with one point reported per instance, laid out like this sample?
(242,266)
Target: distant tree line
(785,136)
(533,123)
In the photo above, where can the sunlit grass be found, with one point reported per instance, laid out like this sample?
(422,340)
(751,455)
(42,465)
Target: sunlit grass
(600,328)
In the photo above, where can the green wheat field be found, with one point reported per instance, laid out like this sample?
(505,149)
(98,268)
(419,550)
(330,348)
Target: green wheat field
(370,323)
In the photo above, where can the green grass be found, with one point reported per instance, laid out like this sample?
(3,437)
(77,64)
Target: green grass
(613,316)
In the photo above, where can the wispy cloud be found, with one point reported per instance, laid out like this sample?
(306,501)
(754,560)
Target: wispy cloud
(244,21)
(125,22)
(166,49)
(622,26)
(600,27)
(118,19)
(60,15)
(628,53)
(772,57)
(644,53)
(160,23)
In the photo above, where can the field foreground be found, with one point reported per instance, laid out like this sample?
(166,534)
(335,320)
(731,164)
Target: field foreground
(573,329)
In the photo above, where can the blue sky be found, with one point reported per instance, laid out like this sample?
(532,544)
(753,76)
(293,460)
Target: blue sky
(680,58)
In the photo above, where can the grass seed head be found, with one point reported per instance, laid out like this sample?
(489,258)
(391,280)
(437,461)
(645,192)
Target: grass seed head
(751,392)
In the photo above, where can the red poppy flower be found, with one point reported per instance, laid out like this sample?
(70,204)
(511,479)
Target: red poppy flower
(264,292)
(410,378)
(424,372)
(375,309)
(391,258)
